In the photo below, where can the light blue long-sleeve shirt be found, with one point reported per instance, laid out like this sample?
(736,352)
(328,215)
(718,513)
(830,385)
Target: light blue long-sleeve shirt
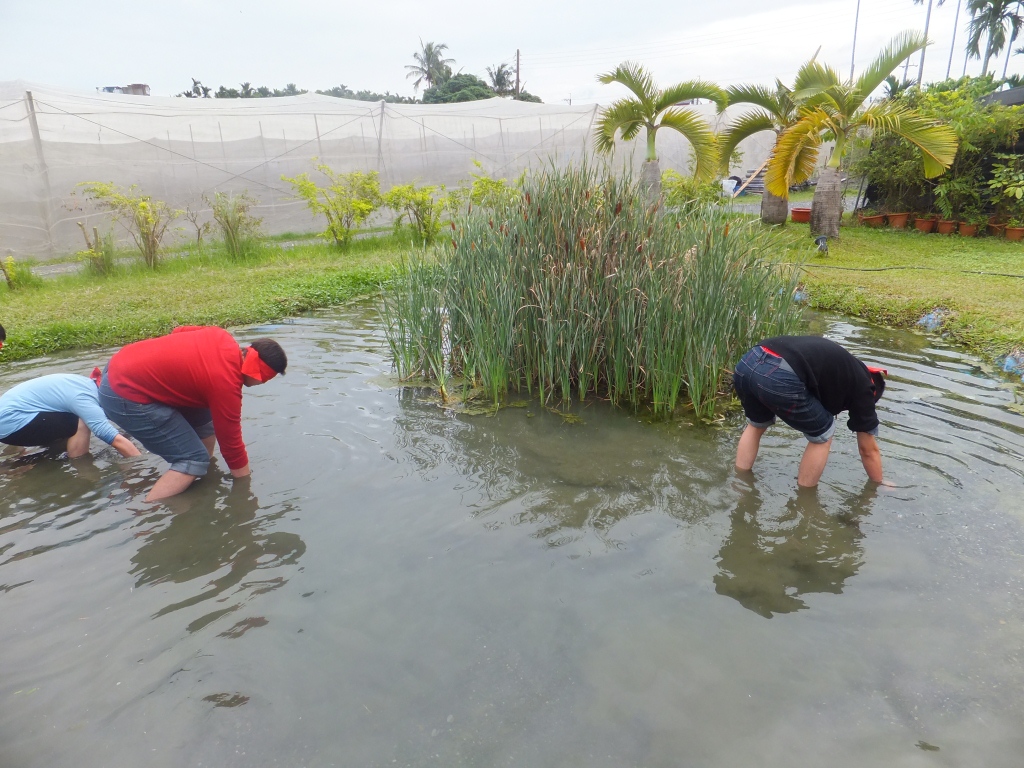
(55,393)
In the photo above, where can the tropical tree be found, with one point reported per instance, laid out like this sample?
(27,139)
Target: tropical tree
(777,110)
(652,109)
(431,66)
(502,79)
(990,19)
(927,23)
(836,110)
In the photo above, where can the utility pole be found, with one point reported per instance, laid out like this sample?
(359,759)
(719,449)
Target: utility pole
(853,53)
(956,21)
(927,22)
(517,73)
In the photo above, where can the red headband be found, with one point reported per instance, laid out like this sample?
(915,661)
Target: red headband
(255,368)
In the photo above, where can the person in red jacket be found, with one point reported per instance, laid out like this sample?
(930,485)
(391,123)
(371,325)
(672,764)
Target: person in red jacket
(180,394)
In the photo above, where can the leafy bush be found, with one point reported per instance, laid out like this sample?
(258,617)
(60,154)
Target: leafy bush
(686,195)
(100,256)
(488,192)
(422,207)
(145,219)
(346,202)
(18,275)
(240,228)
(457,88)
(578,286)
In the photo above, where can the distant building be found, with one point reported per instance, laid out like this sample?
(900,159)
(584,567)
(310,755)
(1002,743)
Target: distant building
(135,89)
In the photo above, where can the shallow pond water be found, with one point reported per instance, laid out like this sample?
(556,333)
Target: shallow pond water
(403,585)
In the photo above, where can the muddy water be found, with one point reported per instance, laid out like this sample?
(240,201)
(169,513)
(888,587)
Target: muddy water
(403,585)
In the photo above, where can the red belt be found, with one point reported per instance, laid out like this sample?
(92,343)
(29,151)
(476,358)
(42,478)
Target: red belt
(770,352)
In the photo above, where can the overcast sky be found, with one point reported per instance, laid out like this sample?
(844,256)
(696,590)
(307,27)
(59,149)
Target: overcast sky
(564,45)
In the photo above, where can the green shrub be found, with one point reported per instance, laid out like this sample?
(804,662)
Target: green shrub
(346,202)
(579,287)
(241,230)
(685,195)
(145,219)
(100,255)
(423,208)
(18,275)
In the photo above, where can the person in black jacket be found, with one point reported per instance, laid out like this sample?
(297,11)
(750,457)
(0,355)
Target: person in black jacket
(806,381)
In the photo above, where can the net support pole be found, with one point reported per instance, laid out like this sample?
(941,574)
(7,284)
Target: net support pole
(319,147)
(44,172)
(380,140)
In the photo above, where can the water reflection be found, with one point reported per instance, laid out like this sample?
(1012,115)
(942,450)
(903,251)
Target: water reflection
(773,556)
(218,530)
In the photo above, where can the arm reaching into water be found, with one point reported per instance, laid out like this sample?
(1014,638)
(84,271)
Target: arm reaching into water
(870,455)
(125,447)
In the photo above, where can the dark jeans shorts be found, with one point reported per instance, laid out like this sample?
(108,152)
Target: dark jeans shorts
(45,429)
(174,434)
(767,387)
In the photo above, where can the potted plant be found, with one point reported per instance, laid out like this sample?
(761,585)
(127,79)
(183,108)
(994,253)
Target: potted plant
(1007,189)
(800,215)
(897,220)
(972,220)
(925,222)
(954,196)
(869,217)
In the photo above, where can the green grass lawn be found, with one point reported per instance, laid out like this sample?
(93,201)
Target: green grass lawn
(79,311)
(931,271)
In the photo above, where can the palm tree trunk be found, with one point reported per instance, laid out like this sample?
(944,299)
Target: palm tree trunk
(651,179)
(1009,48)
(774,209)
(827,207)
(927,21)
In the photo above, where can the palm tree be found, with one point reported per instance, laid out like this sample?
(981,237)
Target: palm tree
(246,90)
(502,79)
(989,19)
(651,108)
(777,111)
(430,66)
(836,110)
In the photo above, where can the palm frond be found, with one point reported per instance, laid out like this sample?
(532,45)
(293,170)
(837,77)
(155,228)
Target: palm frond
(795,147)
(634,77)
(813,78)
(898,49)
(702,140)
(758,95)
(687,91)
(937,142)
(625,116)
(744,127)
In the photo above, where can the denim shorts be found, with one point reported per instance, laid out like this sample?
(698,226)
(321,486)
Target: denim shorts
(174,434)
(767,387)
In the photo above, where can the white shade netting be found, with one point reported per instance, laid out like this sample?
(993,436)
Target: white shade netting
(178,149)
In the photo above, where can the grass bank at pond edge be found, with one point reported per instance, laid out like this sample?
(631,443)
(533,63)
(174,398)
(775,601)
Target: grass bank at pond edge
(895,277)
(79,311)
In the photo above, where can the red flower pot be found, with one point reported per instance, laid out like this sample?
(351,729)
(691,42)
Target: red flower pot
(800,215)
(995,229)
(1015,233)
(945,227)
(874,221)
(968,230)
(897,220)
(924,224)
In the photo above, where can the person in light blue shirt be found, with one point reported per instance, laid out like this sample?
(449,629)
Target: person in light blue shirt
(52,409)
